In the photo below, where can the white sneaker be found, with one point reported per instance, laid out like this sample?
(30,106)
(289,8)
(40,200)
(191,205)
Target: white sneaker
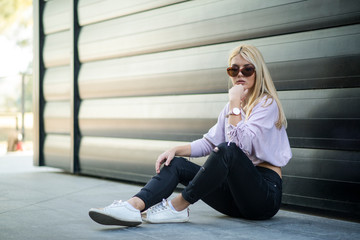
(118,213)
(163,213)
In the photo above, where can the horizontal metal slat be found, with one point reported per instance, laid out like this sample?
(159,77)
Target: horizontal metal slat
(165,107)
(57,117)
(321,104)
(331,165)
(167,118)
(125,37)
(57,84)
(116,31)
(343,207)
(191,129)
(56,50)
(161,129)
(325,122)
(57,151)
(340,134)
(127,159)
(336,72)
(209,105)
(111,75)
(323,72)
(322,189)
(90,11)
(177,83)
(317,125)
(56,16)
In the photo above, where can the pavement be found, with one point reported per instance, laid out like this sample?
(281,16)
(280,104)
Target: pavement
(47,203)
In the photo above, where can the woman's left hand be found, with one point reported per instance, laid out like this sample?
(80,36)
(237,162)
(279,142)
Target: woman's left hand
(166,158)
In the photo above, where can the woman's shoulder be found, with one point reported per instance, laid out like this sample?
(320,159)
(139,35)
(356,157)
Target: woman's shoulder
(266,105)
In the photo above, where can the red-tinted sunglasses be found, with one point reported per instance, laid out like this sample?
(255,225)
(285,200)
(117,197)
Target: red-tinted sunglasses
(247,70)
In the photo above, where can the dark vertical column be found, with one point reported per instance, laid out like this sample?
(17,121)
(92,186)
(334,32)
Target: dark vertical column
(75,98)
(38,72)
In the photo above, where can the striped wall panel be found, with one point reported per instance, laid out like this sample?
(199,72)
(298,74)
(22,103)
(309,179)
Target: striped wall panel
(315,125)
(318,174)
(57,49)
(206,66)
(57,84)
(109,150)
(56,17)
(93,11)
(149,80)
(57,151)
(218,21)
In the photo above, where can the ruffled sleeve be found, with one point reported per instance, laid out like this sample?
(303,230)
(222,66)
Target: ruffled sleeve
(258,136)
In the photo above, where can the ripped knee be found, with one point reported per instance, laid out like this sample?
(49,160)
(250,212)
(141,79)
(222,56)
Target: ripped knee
(223,147)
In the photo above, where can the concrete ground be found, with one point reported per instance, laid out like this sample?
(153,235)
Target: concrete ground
(46,203)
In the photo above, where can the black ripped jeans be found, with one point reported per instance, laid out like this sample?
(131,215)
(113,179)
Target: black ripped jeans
(228,182)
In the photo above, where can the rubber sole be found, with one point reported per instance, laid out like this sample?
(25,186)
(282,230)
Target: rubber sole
(167,221)
(108,220)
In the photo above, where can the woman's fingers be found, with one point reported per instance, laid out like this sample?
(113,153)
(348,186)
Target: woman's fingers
(166,158)
(244,94)
(159,162)
(169,159)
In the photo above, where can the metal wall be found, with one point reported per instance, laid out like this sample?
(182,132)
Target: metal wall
(118,82)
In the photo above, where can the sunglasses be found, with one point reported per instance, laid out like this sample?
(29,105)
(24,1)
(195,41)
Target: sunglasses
(247,70)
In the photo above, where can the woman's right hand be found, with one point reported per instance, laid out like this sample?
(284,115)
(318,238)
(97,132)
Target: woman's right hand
(166,158)
(237,93)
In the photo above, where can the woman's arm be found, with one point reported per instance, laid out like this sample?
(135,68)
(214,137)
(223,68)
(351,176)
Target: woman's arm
(258,135)
(236,94)
(167,156)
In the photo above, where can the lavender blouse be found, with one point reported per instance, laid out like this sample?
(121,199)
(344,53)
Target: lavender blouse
(258,136)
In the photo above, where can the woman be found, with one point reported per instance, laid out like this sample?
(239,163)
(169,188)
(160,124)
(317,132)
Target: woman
(242,176)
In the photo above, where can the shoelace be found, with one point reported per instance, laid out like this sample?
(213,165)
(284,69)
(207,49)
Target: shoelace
(159,207)
(116,203)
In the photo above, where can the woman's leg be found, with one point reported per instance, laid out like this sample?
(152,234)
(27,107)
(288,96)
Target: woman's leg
(160,186)
(230,183)
(163,184)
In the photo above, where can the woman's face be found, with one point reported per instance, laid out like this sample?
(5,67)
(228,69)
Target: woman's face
(240,79)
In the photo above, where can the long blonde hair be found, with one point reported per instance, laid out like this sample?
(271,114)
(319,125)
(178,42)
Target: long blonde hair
(264,85)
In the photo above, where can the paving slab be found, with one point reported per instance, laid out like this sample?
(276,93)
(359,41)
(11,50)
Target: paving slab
(46,203)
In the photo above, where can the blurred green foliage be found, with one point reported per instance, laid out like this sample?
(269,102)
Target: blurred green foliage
(10,11)
(15,18)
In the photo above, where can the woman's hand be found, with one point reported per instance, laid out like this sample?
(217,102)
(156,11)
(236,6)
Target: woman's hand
(237,94)
(166,158)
